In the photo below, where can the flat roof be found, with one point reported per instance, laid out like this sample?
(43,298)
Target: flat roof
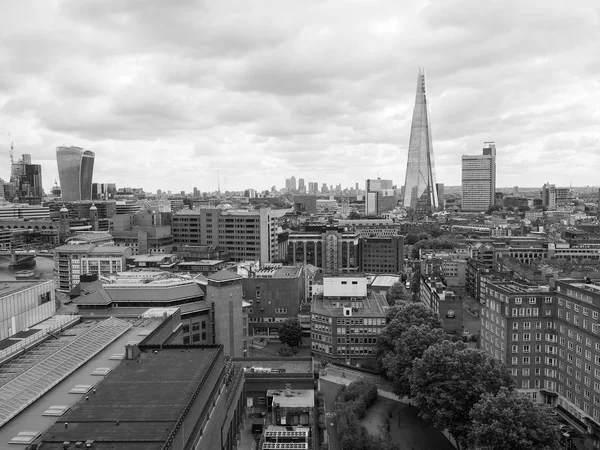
(152,257)
(292,398)
(146,396)
(291,365)
(10,287)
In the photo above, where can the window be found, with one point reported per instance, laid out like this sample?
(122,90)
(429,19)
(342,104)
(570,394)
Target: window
(532,300)
(518,301)
(515,337)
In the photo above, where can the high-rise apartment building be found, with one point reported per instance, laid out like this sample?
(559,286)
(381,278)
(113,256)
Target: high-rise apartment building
(479,179)
(420,193)
(75,170)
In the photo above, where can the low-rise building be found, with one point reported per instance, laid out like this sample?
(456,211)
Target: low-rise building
(382,254)
(434,295)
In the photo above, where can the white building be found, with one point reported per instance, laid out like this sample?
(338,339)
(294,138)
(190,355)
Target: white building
(479,179)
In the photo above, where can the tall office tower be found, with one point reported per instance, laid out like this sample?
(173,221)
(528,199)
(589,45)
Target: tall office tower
(380,196)
(420,194)
(549,196)
(479,179)
(293,183)
(33,177)
(75,170)
(301,185)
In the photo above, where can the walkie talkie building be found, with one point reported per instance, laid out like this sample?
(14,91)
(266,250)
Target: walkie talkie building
(75,170)
(420,191)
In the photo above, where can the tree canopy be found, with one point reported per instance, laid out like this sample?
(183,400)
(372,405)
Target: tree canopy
(409,346)
(397,293)
(510,421)
(449,379)
(290,332)
(401,318)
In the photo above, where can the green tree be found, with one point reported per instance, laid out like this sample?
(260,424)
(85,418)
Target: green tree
(290,332)
(449,379)
(397,293)
(510,421)
(285,350)
(409,346)
(401,318)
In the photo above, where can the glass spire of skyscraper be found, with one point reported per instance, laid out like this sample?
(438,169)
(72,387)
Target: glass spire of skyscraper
(420,192)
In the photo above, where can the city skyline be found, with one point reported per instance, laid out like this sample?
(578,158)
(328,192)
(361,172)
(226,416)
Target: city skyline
(277,92)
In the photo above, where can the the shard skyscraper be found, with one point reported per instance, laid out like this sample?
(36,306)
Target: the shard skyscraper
(420,191)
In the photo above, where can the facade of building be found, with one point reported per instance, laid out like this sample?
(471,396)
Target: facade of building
(346,320)
(79,257)
(305,204)
(549,341)
(244,235)
(275,293)
(75,171)
(479,179)
(229,326)
(380,197)
(420,193)
(23,304)
(330,249)
(381,254)
(434,295)
(20,211)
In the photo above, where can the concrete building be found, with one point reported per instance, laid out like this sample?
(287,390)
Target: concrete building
(87,254)
(203,389)
(381,255)
(75,171)
(346,320)
(380,196)
(224,295)
(331,249)
(371,227)
(142,232)
(275,293)
(20,212)
(243,234)
(305,204)
(434,295)
(22,305)
(479,179)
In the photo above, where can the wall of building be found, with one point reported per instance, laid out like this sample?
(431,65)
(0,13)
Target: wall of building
(24,308)
(225,300)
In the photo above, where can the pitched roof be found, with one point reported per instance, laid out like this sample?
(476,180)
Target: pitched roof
(224,275)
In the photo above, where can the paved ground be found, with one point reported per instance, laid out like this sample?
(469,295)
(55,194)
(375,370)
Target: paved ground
(329,389)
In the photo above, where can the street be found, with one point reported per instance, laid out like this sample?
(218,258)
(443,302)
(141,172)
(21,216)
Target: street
(330,389)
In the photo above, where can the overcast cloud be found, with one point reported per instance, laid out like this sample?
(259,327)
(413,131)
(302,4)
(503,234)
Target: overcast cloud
(168,93)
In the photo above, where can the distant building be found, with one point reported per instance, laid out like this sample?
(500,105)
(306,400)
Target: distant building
(87,254)
(381,255)
(243,234)
(479,179)
(75,170)
(434,295)
(420,193)
(380,196)
(330,249)
(305,204)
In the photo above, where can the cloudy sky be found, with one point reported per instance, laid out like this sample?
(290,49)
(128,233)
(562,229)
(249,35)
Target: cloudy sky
(168,93)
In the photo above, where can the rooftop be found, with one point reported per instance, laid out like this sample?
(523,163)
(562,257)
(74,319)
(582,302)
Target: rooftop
(374,305)
(10,287)
(145,397)
(292,398)
(224,275)
(290,365)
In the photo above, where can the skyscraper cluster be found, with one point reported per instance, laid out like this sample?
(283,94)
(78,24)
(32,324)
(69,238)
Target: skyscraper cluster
(25,181)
